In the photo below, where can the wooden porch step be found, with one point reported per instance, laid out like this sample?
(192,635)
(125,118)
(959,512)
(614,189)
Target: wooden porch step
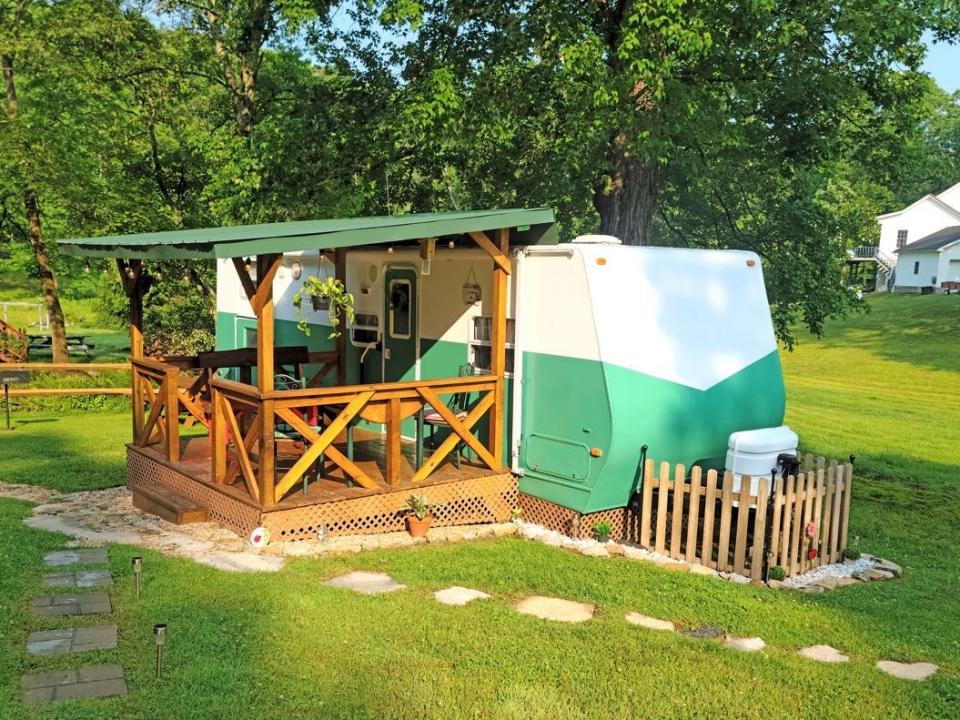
(170,506)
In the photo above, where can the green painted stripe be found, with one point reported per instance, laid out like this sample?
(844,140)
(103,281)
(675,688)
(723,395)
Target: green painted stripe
(571,406)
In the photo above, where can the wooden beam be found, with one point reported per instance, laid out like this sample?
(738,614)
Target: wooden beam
(499,256)
(241,451)
(321,443)
(331,452)
(248,287)
(457,427)
(450,442)
(498,350)
(393,441)
(172,403)
(265,281)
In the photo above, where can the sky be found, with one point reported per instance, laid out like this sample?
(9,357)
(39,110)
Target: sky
(943,63)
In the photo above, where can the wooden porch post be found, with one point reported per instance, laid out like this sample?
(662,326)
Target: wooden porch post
(498,351)
(131,272)
(267,266)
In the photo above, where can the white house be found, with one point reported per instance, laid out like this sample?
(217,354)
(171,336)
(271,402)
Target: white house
(909,228)
(931,262)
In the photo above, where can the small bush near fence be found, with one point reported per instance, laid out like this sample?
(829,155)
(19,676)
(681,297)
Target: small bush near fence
(800,523)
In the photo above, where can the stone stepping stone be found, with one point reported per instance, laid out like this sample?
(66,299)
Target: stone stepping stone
(908,671)
(751,644)
(823,653)
(705,632)
(557,609)
(57,642)
(94,603)
(649,622)
(368,583)
(457,595)
(91,681)
(86,556)
(77,579)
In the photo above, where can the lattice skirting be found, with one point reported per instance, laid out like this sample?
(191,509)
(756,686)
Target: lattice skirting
(624,522)
(458,502)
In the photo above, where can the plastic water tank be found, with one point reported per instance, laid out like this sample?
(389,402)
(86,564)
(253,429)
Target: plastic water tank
(755,453)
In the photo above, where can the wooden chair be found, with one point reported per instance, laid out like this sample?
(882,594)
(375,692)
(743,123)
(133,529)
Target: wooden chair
(459,406)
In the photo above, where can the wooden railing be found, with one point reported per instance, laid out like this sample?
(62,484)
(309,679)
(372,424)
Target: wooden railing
(243,421)
(799,524)
(156,406)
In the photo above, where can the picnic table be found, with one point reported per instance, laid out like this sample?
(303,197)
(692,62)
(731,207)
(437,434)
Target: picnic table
(45,342)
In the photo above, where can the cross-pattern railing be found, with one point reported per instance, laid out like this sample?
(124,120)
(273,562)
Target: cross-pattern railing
(241,415)
(156,406)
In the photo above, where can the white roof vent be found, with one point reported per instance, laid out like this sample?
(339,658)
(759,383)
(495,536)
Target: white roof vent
(597,240)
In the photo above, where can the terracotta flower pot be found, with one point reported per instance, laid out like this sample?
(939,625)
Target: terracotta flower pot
(417,527)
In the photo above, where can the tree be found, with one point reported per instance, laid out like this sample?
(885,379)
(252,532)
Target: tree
(713,125)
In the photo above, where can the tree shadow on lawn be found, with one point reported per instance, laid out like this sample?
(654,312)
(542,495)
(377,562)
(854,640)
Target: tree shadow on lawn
(69,453)
(920,330)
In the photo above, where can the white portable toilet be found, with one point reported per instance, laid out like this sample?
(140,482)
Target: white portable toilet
(756,453)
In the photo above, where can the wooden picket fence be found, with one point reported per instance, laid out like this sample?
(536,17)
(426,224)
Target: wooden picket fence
(706,522)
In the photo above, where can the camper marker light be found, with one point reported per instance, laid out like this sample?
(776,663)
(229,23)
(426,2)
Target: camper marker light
(137,563)
(751,263)
(596,452)
(159,631)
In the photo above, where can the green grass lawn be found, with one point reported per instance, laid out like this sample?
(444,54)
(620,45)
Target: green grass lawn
(286,646)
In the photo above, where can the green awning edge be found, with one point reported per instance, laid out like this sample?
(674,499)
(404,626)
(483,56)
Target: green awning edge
(236,241)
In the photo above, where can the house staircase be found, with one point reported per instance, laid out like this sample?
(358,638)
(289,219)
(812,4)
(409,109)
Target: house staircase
(886,264)
(13,343)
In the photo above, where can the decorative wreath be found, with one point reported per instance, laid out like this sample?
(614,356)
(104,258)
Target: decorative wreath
(259,537)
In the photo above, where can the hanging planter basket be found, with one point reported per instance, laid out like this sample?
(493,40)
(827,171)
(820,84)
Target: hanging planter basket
(320,302)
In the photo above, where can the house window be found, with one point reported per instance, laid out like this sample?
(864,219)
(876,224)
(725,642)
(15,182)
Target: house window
(250,337)
(916,268)
(480,349)
(901,238)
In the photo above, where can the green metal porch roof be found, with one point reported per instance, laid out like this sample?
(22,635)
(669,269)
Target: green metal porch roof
(531,227)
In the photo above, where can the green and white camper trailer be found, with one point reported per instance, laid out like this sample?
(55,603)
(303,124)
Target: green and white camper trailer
(610,348)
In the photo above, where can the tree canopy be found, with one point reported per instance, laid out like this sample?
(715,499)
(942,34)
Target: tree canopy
(774,126)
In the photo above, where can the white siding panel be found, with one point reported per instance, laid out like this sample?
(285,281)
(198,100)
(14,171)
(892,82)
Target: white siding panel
(693,317)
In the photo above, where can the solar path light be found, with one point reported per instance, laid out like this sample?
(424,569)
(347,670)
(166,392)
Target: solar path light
(137,563)
(159,631)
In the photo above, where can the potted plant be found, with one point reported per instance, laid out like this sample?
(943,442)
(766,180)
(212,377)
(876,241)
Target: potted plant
(328,294)
(602,531)
(419,515)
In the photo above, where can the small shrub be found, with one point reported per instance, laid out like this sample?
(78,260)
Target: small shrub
(516,513)
(851,553)
(777,573)
(602,531)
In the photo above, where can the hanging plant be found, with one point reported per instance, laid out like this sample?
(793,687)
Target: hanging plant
(331,292)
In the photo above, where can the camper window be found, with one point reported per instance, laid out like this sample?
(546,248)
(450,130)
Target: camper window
(365,330)
(400,293)
(479,348)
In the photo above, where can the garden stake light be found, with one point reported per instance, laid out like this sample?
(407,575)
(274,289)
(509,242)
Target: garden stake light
(137,569)
(159,631)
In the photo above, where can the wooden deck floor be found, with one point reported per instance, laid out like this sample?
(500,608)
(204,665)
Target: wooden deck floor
(369,455)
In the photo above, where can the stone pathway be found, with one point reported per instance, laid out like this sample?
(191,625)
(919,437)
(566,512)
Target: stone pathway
(57,642)
(368,583)
(752,644)
(907,671)
(77,579)
(87,556)
(557,609)
(457,595)
(91,681)
(649,622)
(96,603)
(823,653)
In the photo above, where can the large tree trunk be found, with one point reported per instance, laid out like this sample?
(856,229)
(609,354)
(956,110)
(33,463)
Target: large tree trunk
(48,281)
(31,209)
(627,195)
